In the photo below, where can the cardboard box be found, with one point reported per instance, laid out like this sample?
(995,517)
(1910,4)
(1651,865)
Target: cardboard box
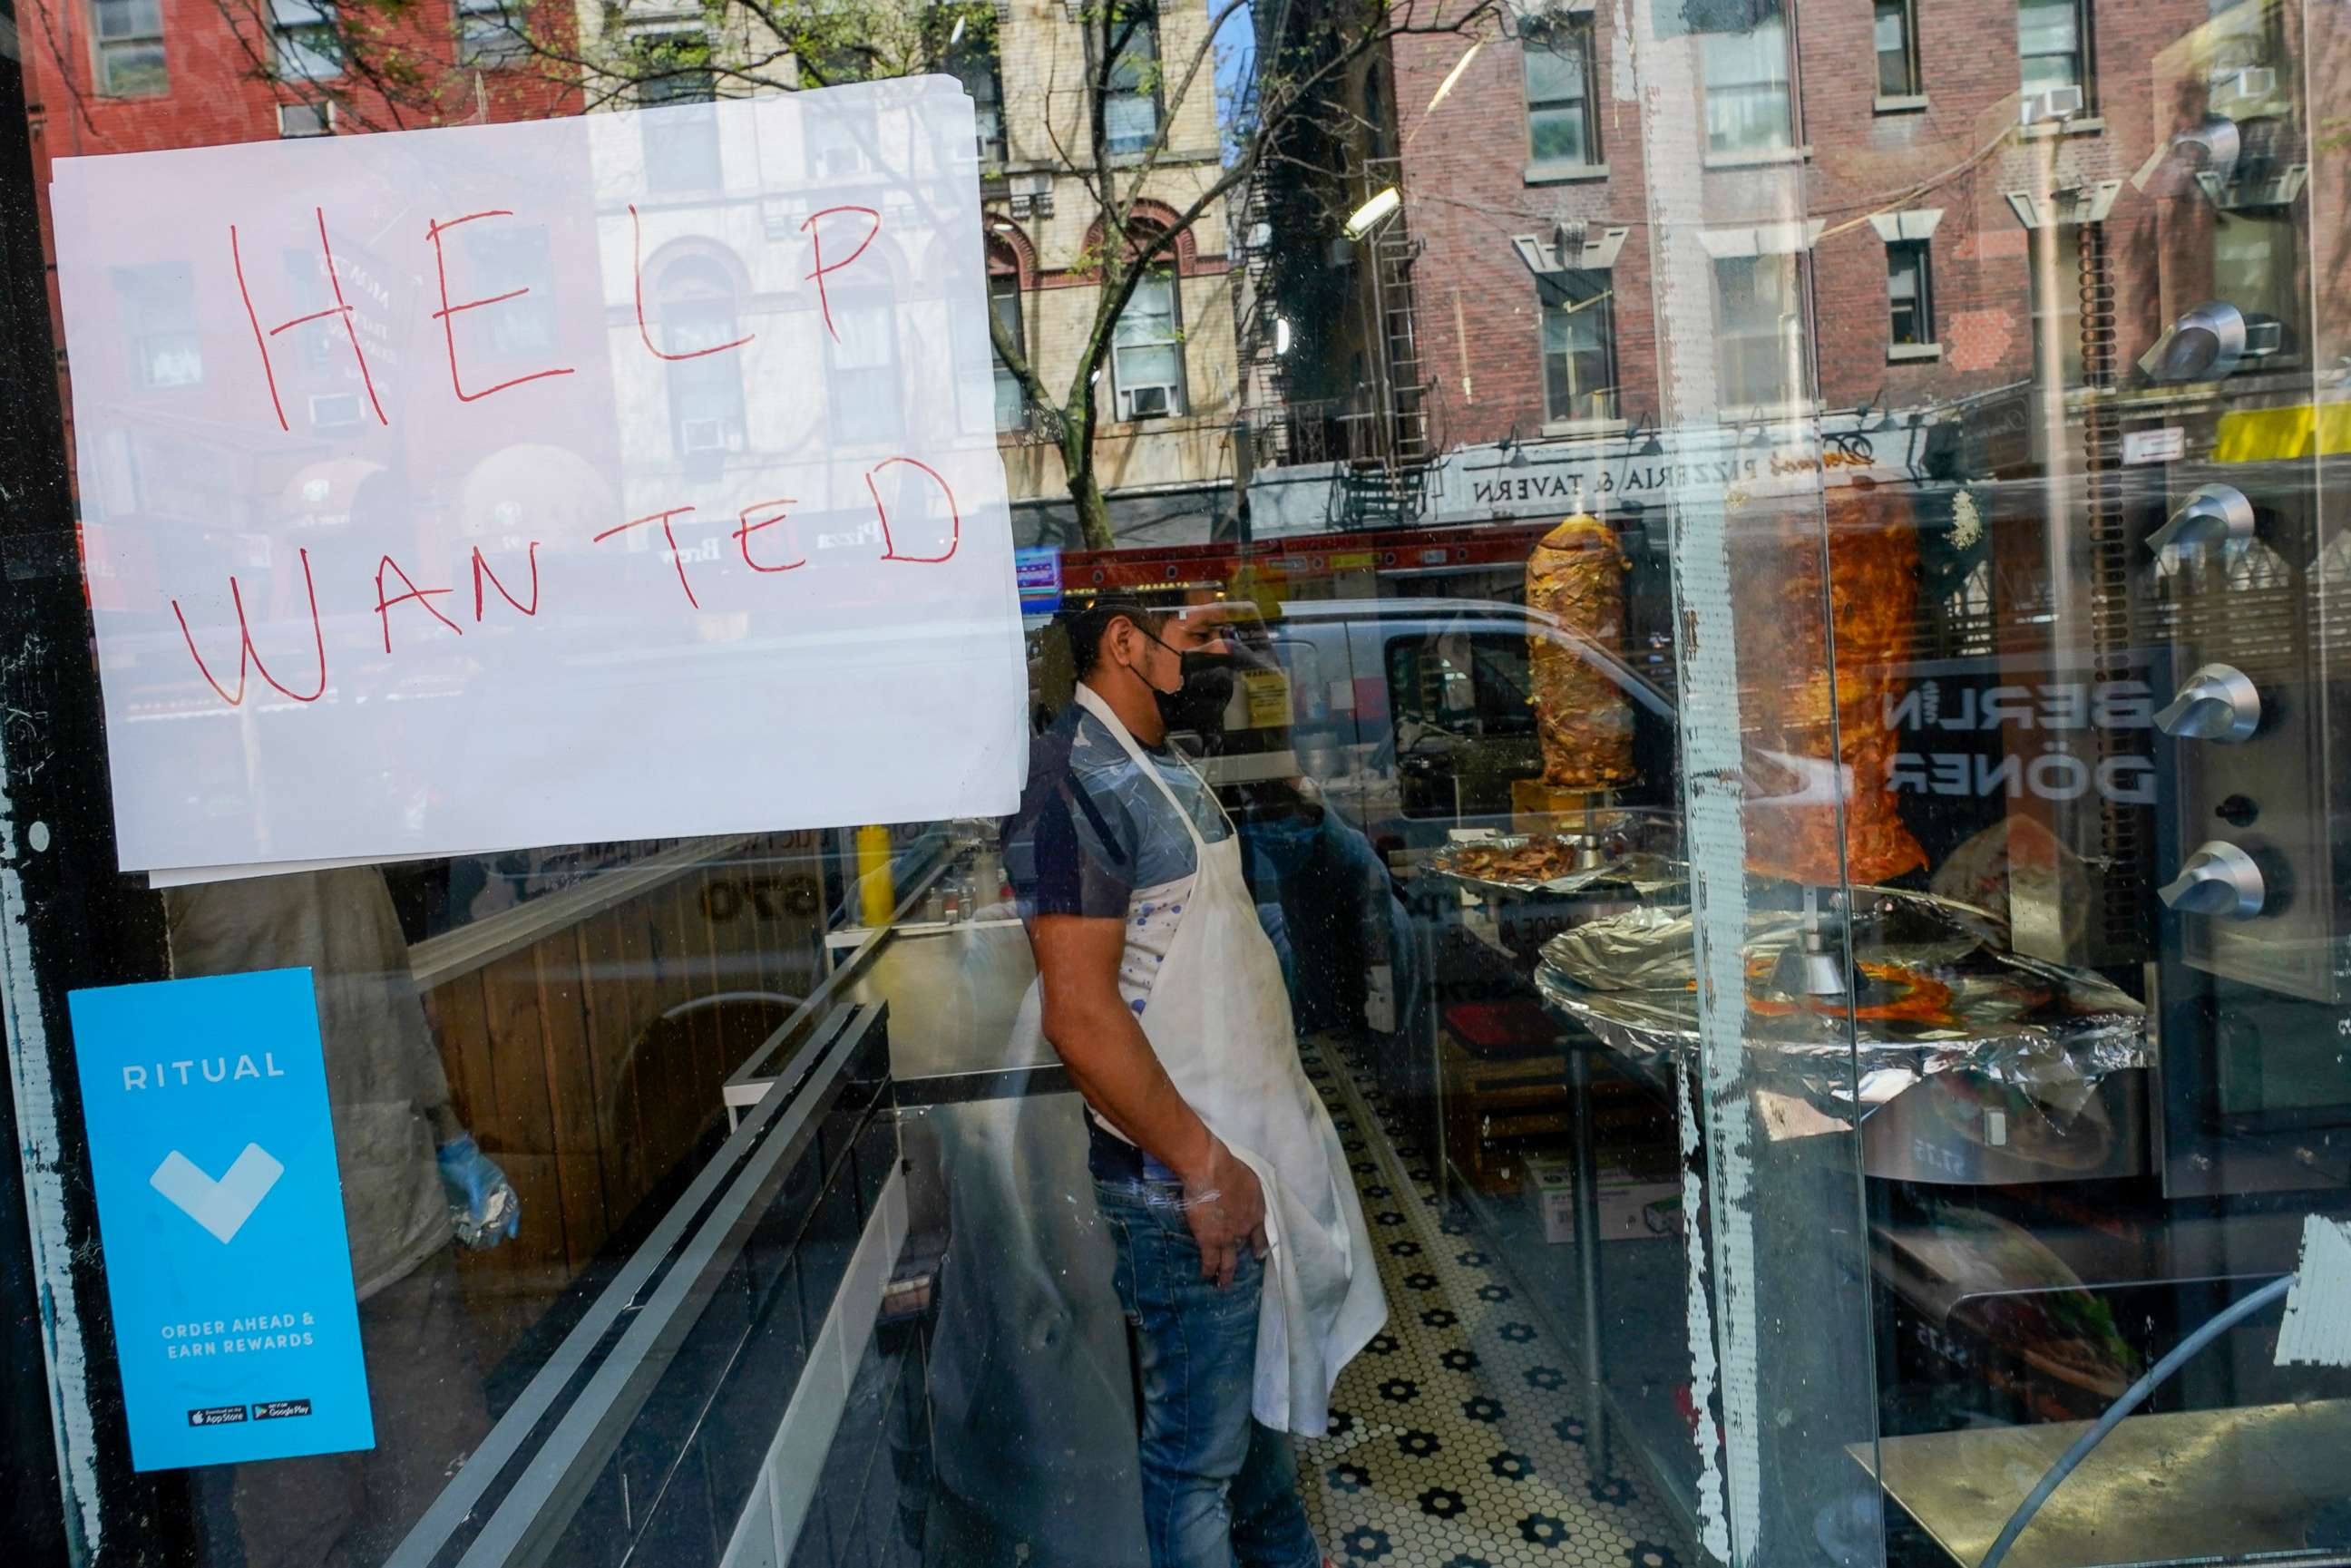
(1634,1206)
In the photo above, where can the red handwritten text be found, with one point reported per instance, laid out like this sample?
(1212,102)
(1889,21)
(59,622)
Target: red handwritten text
(890,550)
(816,241)
(637,272)
(668,534)
(247,653)
(482,573)
(341,308)
(423,596)
(746,528)
(448,313)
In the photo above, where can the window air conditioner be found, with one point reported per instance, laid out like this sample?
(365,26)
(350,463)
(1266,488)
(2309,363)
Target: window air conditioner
(1151,401)
(334,410)
(306,119)
(702,435)
(2263,337)
(2051,103)
(2248,86)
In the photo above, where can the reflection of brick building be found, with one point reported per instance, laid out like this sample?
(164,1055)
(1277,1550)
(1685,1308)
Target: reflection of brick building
(1874,217)
(136,75)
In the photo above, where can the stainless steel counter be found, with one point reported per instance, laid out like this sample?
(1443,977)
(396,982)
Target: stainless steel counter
(953,991)
(953,988)
(2202,1486)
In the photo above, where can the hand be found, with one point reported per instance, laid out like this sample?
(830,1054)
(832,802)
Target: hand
(1225,1207)
(483,1206)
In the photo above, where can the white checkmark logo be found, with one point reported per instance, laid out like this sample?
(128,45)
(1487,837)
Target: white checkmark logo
(220,1207)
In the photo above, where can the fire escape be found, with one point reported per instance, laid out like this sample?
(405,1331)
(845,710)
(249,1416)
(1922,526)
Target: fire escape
(1385,472)
(1377,438)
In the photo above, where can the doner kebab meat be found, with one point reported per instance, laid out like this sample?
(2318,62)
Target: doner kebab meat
(1584,719)
(1873,570)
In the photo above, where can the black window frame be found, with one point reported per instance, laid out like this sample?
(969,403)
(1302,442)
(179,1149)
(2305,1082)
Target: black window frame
(977,62)
(1787,397)
(1913,82)
(1574,31)
(2085,52)
(1003,289)
(1589,294)
(1920,256)
(1129,25)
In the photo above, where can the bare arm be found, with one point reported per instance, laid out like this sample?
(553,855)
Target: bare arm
(1104,1046)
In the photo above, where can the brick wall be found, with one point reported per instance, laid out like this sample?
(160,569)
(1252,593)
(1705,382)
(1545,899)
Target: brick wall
(1469,190)
(216,93)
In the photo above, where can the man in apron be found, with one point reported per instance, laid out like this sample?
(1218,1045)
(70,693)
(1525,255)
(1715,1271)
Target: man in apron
(1243,1262)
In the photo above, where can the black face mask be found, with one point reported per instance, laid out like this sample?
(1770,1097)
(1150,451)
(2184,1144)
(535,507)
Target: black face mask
(1198,704)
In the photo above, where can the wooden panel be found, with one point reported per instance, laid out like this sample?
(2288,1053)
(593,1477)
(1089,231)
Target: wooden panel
(689,934)
(490,1281)
(455,1012)
(613,1004)
(571,1098)
(648,1081)
(526,1121)
(561,1063)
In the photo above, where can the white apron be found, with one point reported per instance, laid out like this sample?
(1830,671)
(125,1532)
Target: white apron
(1218,1019)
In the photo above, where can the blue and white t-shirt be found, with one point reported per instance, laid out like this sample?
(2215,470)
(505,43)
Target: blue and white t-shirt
(1095,837)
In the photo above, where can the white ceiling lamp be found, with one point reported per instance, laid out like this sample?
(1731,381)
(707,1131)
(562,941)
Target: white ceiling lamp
(1368,216)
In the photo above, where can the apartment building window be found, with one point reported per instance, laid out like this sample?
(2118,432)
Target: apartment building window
(696,306)
(1131,85)
(973,62)
(2053,42)
(1897,39)
(682,150)
(1011,398)
(1560,126)
(304,42)
(1579,345)
(2253,269)
(159,309)
(1748,105)
(1910,293)
(489,32)
(507,254)
(1759,330)
(864,367)
(130,35)
(1147,350)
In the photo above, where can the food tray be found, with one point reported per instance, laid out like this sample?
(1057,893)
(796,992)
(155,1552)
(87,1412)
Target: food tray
(1628,857)
(1940,992)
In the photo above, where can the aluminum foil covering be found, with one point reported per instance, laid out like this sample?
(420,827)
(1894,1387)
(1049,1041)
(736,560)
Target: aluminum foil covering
(1938,992)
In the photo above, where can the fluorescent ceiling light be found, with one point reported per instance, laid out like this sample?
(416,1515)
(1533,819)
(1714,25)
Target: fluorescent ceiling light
(1367,218)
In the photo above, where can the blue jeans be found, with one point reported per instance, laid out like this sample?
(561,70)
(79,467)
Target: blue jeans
(1218,1489)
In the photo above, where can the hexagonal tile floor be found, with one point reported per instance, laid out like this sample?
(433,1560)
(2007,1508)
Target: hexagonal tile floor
(1456,1439)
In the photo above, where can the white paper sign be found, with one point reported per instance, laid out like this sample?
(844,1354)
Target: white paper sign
(619,476)
(2164,446)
